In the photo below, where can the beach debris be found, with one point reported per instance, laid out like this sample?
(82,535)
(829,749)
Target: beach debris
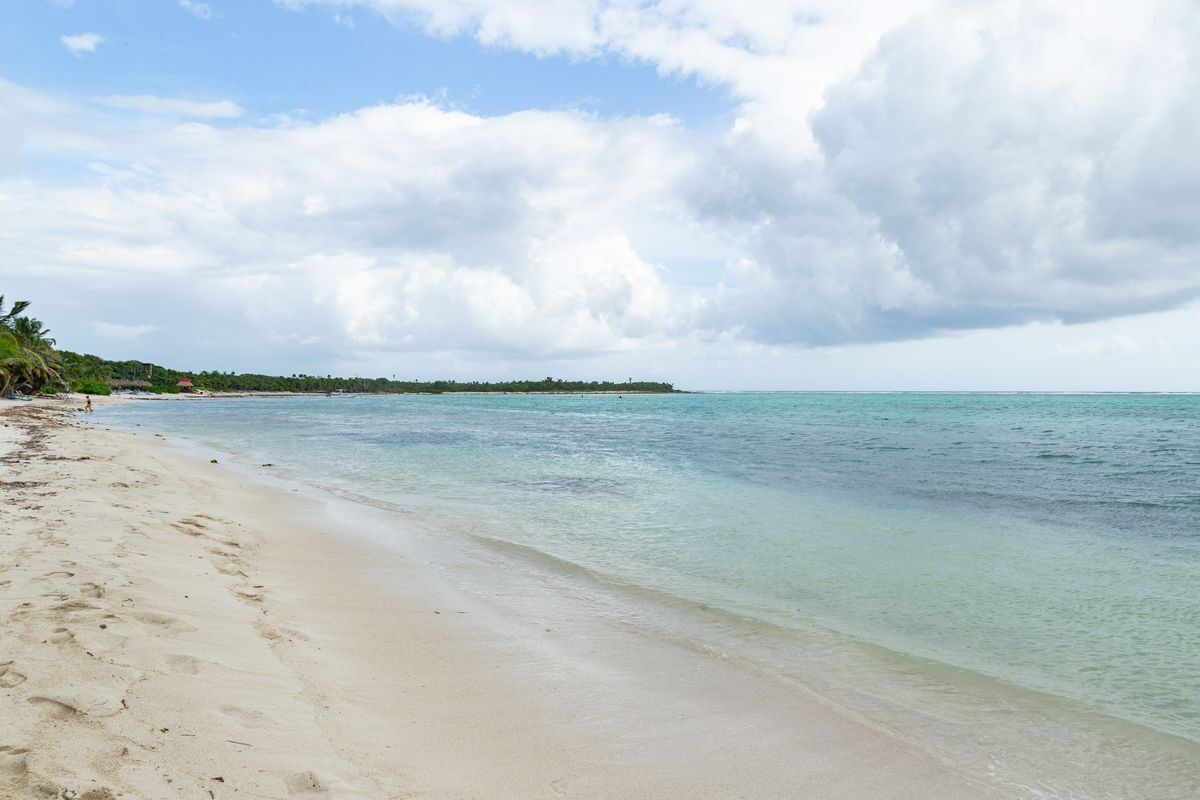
(214,461)
(268,465)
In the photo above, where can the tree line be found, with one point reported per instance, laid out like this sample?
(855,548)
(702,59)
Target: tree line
(29,363)
(163,379)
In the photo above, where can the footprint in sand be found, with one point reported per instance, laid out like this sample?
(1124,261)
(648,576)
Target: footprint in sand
(91,701)
(14,761)
(59,574)
(153,618)
(60,636)
(249,719)
(58,707)
(103,793)
(267,632)
(190,531)
(184,665)
(9,677)
(92,590)
(231,568)
(73,606)
(165,621)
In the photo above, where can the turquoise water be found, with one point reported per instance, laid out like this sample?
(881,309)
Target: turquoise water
(1047,542)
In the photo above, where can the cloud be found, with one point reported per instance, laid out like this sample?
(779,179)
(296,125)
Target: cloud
(891,172)
(989,155)
(198,10)
(1114,344)
(150,104)
(113,330)
(577,297)
(896,170)
(82,42)
(399,227)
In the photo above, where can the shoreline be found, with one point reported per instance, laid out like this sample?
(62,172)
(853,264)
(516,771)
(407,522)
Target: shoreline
(224,395)
(413,671)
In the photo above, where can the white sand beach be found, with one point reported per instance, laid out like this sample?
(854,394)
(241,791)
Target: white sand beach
(173,628)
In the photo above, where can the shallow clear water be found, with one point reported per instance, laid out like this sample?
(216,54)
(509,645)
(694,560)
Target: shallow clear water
(1049,542)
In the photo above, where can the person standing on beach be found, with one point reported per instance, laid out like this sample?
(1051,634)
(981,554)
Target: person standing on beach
(88,405)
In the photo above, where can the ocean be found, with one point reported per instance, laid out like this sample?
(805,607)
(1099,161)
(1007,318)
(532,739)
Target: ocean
(1017,574)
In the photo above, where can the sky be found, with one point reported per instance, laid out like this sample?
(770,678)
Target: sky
(785,194)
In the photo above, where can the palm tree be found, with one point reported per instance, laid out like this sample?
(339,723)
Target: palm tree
(44,365)
(10,360)
(27,356)
(7,317)
(10,350)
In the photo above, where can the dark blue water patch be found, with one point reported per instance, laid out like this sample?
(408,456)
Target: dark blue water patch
(993,468)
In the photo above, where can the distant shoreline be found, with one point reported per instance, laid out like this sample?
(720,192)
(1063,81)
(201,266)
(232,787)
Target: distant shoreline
(85,371)
(206,395)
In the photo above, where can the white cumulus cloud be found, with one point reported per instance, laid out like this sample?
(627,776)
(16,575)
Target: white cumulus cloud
(82,42)
(401,227)
(900,169)
(198,10)
(150,104)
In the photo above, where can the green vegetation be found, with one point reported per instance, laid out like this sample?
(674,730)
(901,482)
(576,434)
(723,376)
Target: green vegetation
(91,386)
(28,360)
(29,364)
(163,379)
